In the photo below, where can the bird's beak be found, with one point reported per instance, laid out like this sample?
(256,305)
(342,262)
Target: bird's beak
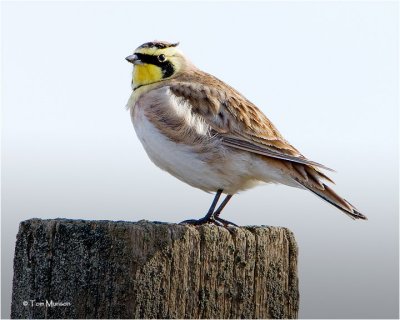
(133,58)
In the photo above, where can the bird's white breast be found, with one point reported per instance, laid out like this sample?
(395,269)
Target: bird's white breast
(217,168)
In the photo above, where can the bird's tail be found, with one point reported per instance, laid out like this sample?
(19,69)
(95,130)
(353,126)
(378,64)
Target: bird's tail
(311,180)
(334,199)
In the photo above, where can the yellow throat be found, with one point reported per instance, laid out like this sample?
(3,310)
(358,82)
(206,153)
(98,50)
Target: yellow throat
(146,73)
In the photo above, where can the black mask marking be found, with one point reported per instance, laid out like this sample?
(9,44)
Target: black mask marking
(166,66)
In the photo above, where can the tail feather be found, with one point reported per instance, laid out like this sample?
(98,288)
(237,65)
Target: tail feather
(334,199)
(311,178)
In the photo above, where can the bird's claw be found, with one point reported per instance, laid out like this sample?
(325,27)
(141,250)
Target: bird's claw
(225,223)
(214,220)
(194,222)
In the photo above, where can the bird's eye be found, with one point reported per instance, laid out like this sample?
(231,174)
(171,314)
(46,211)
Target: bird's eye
(161,58)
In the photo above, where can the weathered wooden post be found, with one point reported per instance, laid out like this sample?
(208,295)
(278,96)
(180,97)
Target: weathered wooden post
(107,269)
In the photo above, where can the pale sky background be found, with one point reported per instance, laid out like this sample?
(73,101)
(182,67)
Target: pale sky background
(325,73)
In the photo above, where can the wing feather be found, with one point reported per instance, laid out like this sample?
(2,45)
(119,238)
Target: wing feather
(236,120)
(251,147)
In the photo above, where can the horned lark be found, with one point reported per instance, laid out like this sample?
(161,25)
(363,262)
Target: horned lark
(205,133)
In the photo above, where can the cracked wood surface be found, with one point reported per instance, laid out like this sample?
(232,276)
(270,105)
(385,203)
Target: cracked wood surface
(117,269)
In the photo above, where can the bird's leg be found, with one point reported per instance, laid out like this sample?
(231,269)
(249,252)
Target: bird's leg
(209,217)
(222,205)
(219,210)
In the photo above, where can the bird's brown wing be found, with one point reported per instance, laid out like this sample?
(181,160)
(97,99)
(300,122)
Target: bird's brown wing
(240,123)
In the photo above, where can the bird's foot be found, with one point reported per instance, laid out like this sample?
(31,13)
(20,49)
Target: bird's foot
(224,222)
(199,222)
(215,220)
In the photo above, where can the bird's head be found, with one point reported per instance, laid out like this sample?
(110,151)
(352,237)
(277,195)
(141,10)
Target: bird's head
(154,62)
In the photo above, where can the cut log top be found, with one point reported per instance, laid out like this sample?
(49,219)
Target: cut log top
(117,269)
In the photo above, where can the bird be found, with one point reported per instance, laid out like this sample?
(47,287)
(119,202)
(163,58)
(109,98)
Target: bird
(208,135)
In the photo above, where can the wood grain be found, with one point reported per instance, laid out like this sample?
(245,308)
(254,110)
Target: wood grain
(108,269)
